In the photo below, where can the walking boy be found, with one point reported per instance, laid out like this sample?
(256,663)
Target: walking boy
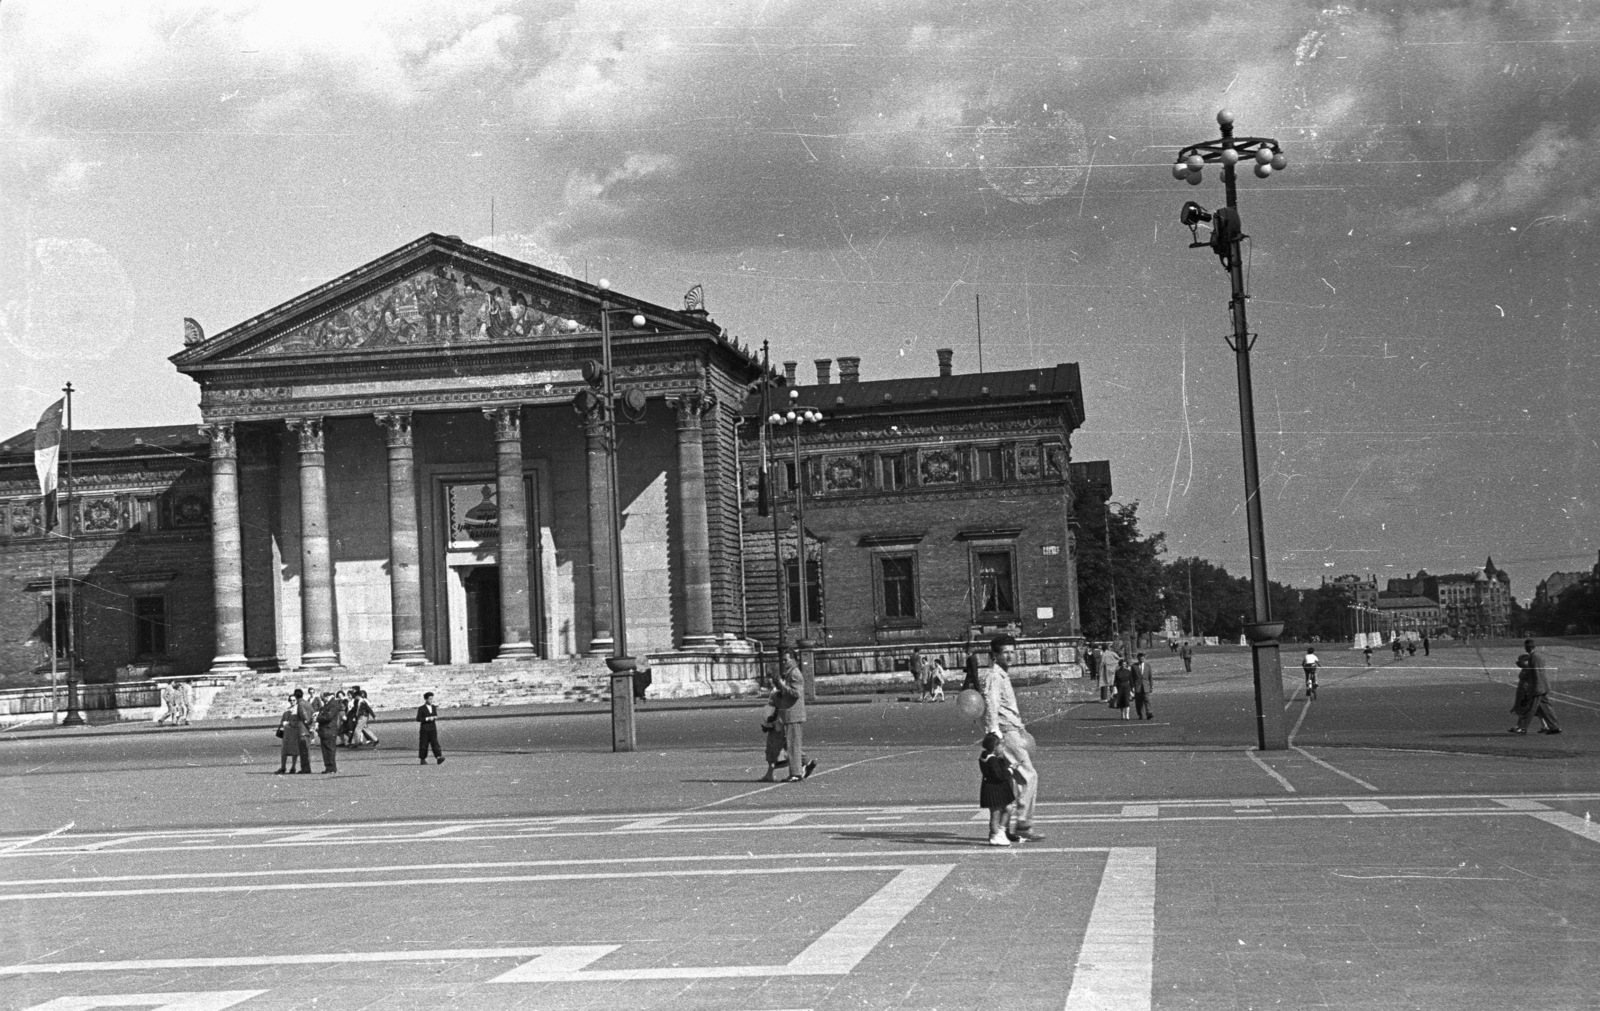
(428,731)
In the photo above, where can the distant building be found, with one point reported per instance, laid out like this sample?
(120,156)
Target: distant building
(1474,603)
(1407,613)
(1360,591)
(936,508)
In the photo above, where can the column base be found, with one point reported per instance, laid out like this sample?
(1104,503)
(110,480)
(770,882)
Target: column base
(322,660)
(231,663)
(516,652)
(407,658)
(601,646)
(701,642)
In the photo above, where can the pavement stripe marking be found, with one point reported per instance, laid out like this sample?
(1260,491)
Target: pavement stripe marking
(328,958)
(1116,964)
(1250,753)
(8,847)
(1303,710)
(315,835)
(1521,804)
(840,948)
(1356,780)
(480,879)
(824,772)
(698,858)
(195,1000)
(641,824)
(1140,811)
(434,833)
(1367,807)
(783,819)
(1572,823)
(106,843)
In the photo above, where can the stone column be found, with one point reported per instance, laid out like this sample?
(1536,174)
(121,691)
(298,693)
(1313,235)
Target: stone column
(515,594)
(405,575)
(696,532)
(226,551)
(317,648)
(601,642)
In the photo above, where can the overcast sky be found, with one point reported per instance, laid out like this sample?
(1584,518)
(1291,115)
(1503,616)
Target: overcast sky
(845,178)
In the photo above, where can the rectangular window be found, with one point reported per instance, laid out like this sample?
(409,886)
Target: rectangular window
(987,465)
(813,591)
(789,482)
(995,593)
(898,579)
(144,515)
(892,472)
(60,616)
(150,626)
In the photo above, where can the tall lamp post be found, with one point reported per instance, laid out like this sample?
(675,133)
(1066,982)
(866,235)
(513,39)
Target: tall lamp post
(797,416)
(1226,236)
(602,402)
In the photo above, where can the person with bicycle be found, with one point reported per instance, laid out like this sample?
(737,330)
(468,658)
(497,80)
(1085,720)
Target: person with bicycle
(1310,665)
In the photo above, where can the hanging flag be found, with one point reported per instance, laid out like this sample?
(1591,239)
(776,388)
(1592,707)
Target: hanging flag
(46,453)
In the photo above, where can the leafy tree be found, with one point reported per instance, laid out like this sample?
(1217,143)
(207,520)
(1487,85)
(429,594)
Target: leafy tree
(1132,567)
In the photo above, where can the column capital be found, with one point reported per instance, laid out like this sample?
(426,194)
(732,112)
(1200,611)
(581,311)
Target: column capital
(223,444)
(594,424)
(507,422)
(309,431)
(397,426)
(691,407)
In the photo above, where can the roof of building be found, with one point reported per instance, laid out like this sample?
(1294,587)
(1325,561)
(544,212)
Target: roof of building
(1058,381)
(1396,603)
(87,441)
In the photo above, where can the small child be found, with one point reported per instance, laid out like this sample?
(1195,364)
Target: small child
(996,793)
(936,681)
(1310,665)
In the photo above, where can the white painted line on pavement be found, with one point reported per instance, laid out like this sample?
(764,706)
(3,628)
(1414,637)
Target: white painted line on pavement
(1140,811)
(1367,807)
(1303,710)
(315,835)
(839,949)
(195,1000)
(329,958)
(481,879)
(1354,779)
(1116,964)
(8,847)
(642,823)
(1521,804)
(782,819)
(824,772)
(434,833)
(1250,752)
(1572,823)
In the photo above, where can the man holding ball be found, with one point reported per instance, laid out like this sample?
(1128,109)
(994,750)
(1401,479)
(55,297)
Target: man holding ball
(1001,716)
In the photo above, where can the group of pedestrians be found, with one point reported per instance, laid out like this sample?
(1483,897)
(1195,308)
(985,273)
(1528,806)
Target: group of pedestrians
(341,719)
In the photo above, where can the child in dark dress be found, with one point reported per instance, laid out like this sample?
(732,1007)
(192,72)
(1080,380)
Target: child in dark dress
(996,793)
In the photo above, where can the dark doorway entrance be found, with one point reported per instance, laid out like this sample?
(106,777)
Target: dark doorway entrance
(483,612)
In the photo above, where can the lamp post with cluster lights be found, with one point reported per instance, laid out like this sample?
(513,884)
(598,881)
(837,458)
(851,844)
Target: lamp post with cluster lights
(798,416)
(600,403)
(1226,237)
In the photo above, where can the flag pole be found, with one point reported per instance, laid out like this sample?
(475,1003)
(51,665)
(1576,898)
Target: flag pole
(72,718)
(55,607)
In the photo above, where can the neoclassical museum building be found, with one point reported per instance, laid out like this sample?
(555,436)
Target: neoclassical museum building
(395,483)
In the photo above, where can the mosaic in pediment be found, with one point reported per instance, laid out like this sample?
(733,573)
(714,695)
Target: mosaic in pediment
(440,305)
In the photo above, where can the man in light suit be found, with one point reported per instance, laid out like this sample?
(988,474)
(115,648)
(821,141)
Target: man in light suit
(790,701)
(428,731)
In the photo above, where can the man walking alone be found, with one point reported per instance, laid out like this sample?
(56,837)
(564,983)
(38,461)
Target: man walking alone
(1001,716)
(428,731)
(1144,682)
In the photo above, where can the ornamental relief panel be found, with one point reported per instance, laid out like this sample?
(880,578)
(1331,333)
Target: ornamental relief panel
(1028,462)
(843,473)
(940,466)
(438,305)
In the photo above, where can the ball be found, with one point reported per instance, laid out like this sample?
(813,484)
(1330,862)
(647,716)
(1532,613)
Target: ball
(970,702)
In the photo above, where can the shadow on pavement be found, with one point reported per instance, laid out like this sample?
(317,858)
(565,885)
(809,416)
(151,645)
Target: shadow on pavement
(925,838)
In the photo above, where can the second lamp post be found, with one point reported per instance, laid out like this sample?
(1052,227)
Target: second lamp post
(797,416)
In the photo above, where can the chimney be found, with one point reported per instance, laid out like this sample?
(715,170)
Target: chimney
(946,361)
(788,373)
(824,371)
(849,369)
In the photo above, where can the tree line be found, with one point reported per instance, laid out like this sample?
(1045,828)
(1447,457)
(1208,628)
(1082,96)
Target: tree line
(1117,562)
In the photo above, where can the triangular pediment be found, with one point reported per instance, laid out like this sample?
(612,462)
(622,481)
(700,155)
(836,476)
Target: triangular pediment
(436,292)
